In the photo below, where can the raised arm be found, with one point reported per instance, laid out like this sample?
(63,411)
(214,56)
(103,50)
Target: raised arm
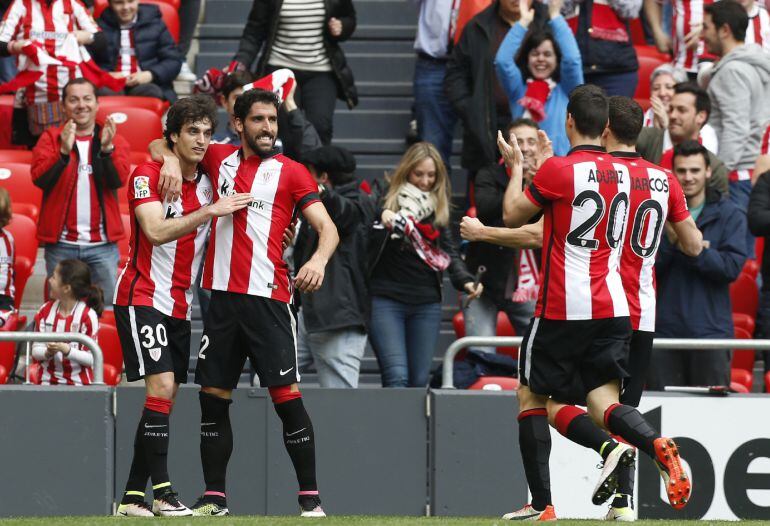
(527,236)
(571,61)
(517,209)
(507,71)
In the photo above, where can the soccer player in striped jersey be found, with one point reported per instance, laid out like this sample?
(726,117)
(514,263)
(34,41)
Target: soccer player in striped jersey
(153,299)
(250,314)
(576,347)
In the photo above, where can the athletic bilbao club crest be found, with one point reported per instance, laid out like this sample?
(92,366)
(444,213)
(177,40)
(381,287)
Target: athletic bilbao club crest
(265,175)
(155,353)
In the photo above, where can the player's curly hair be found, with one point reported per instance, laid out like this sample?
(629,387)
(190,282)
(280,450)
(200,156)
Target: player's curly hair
(198,108)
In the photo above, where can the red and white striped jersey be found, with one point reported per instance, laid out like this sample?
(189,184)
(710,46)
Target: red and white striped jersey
(82,319)
(161,277)
(687,14)
(51,24)
(764,146)
(245,250)
(127,63)
(758,31)
(655,197)
(7,259)
(584,197)
(84,222)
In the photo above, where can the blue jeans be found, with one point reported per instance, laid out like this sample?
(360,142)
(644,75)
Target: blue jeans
(740,191)
(481,318)
(101,259)
(404,337)
(337,353)
(623,84)
(435,118)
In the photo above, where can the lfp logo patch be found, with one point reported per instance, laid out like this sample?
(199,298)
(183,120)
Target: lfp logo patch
(141,187)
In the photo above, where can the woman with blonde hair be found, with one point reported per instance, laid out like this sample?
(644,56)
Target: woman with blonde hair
(411,246)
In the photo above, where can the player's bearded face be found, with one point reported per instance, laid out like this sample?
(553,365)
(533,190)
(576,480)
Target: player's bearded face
(261,128)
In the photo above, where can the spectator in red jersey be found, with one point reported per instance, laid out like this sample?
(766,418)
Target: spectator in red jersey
(74,307)
(140,49)
(509,255)
(696,290)
(409,248)
(57,29)
(7,260)
(471,83)
(80,167)
(686,119)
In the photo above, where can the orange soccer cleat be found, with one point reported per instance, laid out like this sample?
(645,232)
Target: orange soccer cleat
(528,513)
(678,486)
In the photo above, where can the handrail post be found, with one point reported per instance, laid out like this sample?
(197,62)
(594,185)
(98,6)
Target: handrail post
(66,337)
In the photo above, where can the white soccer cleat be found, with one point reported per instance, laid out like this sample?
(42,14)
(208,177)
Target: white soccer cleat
(528,513)
(620,514)
(168,505)
(134,509)
(606,487)
(310,506)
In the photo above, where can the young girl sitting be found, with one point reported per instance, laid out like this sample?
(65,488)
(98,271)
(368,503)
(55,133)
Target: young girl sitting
(75,306)
(7,257)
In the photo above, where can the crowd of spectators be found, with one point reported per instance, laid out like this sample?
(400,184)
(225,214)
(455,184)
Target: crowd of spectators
(510,68)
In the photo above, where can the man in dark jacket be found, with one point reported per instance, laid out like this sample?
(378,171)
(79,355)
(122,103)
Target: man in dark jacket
(759,224)
(695,292)
(332,321)
(139,48)
(509,255)
(472,86)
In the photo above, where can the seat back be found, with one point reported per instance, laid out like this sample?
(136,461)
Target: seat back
(138,126)
(109,341)
(22,270)
(16,178)
(113,103)
(744,295)
(647,65)
(24,232)
(16,156)
(495,383)
(743,358)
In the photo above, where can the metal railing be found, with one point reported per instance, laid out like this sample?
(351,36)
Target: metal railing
(65,337)
(447,380)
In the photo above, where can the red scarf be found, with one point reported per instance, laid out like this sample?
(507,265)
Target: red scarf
(606,25)
(535,97)
(279,82)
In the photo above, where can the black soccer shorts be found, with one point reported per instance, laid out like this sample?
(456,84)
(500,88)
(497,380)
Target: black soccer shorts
(566,359)
(240,326)
(153,343)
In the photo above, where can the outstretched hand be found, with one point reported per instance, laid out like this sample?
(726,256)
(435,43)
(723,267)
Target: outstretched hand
(510,152)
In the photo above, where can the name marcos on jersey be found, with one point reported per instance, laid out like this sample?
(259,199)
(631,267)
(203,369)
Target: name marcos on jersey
(637,183)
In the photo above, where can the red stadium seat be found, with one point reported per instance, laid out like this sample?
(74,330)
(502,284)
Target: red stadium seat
(112,103)
(8,349)
(16,156)
(744,322)
(124,244)
(751,268)
(495,383)
(637,32)
(6,100)
(646,67)
(113,353)
(22,270)
(651,51)
(138,126)
(141,157)
(742,365)
(24,232)
(107,318)
(759,247)
(504,328)
(737,387)
(767,382)
(35,373)
(17,180)
(745,295)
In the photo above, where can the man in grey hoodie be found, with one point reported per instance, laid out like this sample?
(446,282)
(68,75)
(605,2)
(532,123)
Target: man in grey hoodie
(739,91)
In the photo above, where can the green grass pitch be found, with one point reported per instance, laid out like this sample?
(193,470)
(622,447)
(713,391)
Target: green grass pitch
(331,521)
